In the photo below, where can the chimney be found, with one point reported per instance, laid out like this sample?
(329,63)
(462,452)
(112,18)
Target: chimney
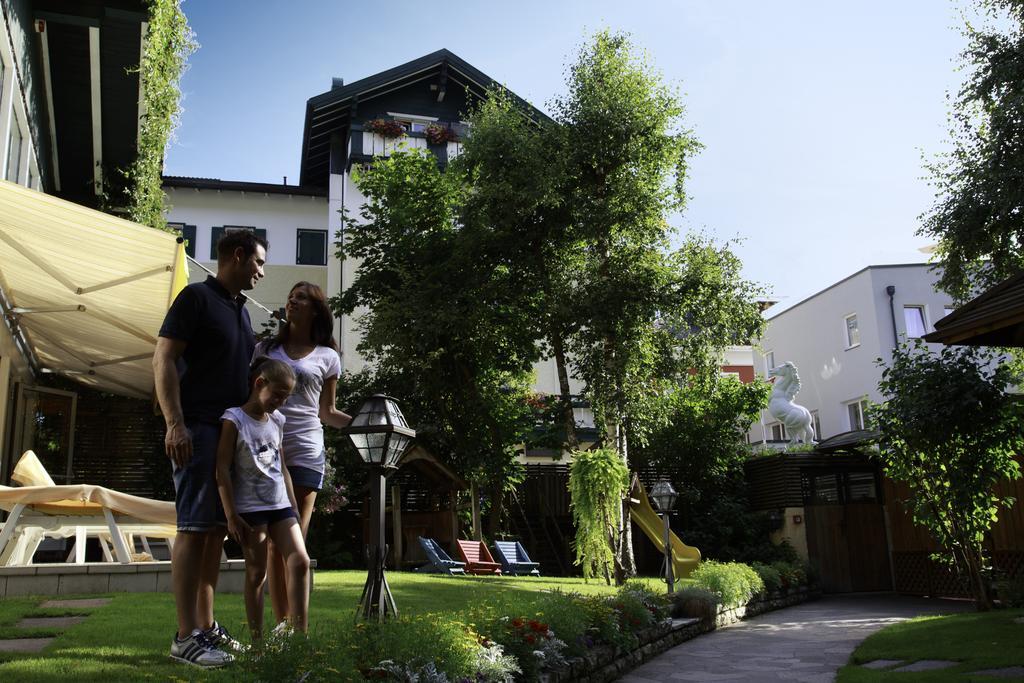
(337,83)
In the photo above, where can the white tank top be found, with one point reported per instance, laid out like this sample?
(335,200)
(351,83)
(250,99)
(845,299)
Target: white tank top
(256,473)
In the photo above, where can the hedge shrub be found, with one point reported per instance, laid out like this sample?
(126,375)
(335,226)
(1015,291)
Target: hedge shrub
(734,582)
(770,576)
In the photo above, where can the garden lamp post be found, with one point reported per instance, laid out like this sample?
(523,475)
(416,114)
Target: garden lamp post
(381,435)
(664,497)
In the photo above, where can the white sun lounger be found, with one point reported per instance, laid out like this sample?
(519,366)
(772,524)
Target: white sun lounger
(40,509)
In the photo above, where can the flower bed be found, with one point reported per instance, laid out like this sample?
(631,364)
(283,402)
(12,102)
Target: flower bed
(551,636)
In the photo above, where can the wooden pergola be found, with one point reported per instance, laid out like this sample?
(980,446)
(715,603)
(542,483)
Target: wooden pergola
(422,501)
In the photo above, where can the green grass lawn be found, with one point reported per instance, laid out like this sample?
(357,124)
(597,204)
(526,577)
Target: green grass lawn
(977,640)
(129,639)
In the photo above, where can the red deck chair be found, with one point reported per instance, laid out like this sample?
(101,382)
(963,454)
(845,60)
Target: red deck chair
(477,558)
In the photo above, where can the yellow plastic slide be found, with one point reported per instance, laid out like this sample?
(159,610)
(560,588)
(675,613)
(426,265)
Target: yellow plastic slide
(685,558)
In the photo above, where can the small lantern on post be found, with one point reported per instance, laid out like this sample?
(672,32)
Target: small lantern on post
(381,436)
(664,497)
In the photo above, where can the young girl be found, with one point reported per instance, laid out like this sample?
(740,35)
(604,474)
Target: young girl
(257,492)
(306,344)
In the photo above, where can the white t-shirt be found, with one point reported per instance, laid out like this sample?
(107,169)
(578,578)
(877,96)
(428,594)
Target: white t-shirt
(256,476)
(303,433)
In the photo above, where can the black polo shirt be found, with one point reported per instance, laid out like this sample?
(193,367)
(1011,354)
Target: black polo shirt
(214,369)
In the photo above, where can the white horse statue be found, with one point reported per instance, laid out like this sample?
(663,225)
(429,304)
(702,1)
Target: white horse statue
(797,419)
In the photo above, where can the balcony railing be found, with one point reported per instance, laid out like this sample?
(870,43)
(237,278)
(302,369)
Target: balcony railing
(366,144)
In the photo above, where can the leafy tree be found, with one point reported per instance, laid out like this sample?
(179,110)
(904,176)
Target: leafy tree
(623,155)
(446,326)
(516,181)
(598,479)
(950,433)
(978,216)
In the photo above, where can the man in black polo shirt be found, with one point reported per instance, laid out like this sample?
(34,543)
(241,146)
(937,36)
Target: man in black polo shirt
(208,335)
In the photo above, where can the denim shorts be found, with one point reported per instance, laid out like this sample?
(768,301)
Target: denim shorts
(306,477)
(268,517)
(196,499)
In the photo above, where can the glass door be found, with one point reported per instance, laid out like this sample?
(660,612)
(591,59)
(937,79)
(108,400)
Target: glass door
(45,424)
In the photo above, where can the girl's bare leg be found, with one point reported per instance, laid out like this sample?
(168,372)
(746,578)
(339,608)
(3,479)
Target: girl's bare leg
(276,573)
(254,549)
(287,536)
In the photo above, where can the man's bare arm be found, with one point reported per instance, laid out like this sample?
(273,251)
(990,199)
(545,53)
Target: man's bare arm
(178,442)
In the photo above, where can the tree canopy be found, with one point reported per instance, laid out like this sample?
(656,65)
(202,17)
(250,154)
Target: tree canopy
(978,215)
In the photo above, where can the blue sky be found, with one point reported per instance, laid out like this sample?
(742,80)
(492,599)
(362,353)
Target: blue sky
(816,117)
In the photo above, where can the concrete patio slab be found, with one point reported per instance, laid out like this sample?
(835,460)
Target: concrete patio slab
(24,644)
(72,604)
(882,663)
(926,665)
(807,643)
(1005,672)
(49,622)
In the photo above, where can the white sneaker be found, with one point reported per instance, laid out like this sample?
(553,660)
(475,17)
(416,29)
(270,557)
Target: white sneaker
(197,650)
(282,630)
(222,640)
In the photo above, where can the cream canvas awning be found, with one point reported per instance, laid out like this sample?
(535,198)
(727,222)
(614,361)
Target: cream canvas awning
(85,290)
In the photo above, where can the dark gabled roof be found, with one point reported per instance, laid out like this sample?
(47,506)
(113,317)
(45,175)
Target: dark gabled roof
(329,112)
(241,186)
(994,318)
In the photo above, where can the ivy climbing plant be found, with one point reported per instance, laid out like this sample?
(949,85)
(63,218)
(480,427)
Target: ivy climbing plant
(169,42)
(598,480)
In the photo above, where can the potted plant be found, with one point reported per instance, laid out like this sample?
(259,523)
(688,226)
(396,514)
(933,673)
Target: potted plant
(438,134)
(388,128)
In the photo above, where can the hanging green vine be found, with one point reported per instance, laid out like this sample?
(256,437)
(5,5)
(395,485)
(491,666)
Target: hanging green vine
(169,42)
(597,484)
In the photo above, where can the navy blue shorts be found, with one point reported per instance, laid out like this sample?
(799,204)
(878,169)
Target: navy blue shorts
(306,477)
(268,517)
(196,499)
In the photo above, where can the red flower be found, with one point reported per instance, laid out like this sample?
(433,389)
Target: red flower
(517,622)
(529,638)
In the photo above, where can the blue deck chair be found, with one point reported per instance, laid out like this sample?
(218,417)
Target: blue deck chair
(439,561)
(514,559)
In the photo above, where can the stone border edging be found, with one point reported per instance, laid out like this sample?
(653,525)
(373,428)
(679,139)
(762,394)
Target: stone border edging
(605,664)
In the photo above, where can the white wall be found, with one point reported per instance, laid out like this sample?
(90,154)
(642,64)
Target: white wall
(280,215)
(812,335)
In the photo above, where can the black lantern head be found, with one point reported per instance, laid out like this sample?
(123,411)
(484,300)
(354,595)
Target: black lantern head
(664,496)
(379,432)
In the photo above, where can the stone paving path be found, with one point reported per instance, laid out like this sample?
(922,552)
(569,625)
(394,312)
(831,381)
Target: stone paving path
(38,644)
(807,643)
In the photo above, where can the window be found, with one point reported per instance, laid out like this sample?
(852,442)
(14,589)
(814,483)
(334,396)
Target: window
(769,362)
(913,316)
(816,422)
(311,248)
(412,123)
(217,232)
(13,164)
(856,412)
(860,487)
(852,331)
(778,431)
(189,233)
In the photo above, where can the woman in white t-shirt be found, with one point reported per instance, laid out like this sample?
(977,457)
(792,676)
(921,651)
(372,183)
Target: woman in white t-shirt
(305,343)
